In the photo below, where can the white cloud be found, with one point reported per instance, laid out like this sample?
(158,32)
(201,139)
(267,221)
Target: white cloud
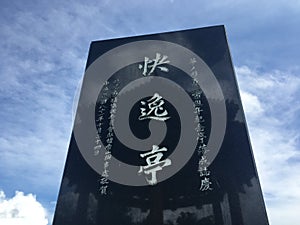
(21,210)
(252,104)
(271,106)
(41,66)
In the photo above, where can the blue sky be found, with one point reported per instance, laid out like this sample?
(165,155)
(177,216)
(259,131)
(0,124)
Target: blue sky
(43,53)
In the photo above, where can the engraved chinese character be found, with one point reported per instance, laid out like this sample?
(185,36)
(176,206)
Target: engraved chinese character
(99,119)
(97,141)
(103,190)
(103,101)
(109,134)
(195,82)
(108,147)
(198,110)
(101,110)
(152,64)
(202,149)
(109,140)
(153,163)
(112,118)
(116,82)
(115,93)
(198,103)
(203,160)
(153,109)
(205,184)
(194,74)
(199,128)
(113,110)
(105,173)
(204,172)
(110,129)
(193,61)
(103,180)
(197,94)
(107,155)
(113,103)
(106,164)
(97,149)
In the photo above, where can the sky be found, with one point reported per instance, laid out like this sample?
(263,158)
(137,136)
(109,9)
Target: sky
(43,51)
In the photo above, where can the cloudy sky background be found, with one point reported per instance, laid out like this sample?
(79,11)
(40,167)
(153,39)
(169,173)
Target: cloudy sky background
(43,51)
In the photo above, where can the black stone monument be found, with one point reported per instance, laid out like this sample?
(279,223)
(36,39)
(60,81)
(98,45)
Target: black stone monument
(160,137)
